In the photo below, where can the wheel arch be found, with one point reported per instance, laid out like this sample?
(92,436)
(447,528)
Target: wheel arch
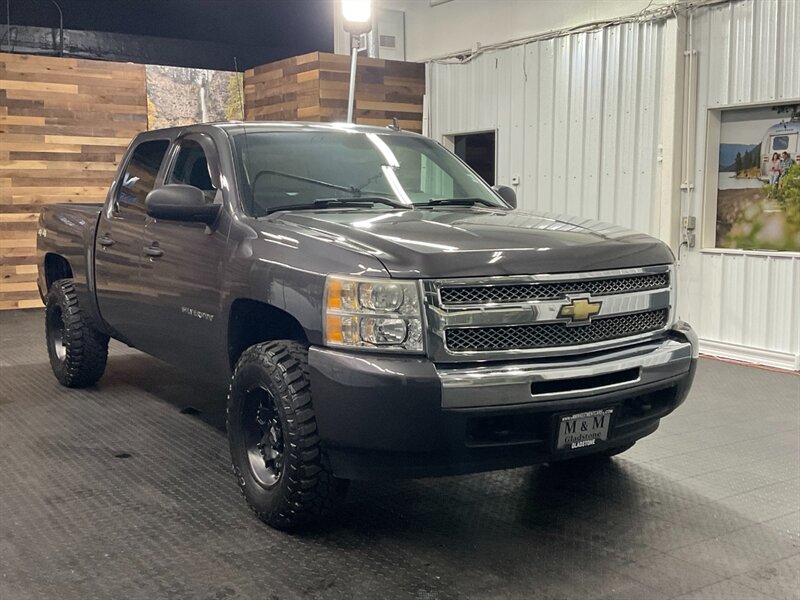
(253,321)
(55,267)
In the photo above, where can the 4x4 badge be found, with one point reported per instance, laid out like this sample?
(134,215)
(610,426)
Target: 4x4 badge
(579,311)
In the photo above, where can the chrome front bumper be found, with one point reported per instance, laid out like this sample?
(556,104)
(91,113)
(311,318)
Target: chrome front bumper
(574,377)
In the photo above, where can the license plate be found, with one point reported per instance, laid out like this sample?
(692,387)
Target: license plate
(583,429)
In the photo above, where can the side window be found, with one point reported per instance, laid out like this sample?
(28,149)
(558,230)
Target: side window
(140,174)
(191,168)
(780,142)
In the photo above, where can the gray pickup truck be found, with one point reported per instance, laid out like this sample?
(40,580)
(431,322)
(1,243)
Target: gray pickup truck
(378,309)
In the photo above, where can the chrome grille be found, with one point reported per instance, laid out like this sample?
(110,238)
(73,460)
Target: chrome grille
(548,335)
(525,292)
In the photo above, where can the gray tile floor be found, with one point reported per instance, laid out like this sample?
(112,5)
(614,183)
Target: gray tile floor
(124,492)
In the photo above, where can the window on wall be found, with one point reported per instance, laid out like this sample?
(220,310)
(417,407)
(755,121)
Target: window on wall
(758,181)
(478,151)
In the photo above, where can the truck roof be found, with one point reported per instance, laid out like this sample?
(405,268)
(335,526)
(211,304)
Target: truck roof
(236,127)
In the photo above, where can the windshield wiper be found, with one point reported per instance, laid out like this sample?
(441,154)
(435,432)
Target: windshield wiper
(330,202)
(357,199)
(457,202)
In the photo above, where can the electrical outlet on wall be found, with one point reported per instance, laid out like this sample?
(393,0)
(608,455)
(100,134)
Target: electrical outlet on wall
(688,226)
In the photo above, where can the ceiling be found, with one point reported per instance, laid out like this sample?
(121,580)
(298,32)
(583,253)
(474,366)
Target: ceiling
(279,28)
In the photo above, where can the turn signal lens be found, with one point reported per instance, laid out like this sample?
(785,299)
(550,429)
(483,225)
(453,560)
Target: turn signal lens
(341,295)
(379,314)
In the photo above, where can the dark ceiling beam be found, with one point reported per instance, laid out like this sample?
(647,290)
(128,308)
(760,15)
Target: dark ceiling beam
(298,25)
(139,49)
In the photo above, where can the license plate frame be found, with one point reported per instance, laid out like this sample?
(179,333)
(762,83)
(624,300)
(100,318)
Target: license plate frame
(597,432)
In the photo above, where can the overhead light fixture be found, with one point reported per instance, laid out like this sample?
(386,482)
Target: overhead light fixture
(357,15)
(357,20)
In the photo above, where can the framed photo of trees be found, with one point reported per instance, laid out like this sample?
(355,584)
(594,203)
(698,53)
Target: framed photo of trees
(183,96)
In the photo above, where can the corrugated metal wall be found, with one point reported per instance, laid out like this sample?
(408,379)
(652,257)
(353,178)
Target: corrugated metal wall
(577,120)
(743,304)
(574,116)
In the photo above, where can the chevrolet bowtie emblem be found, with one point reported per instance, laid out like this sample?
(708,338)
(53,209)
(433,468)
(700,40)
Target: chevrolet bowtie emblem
(579,311)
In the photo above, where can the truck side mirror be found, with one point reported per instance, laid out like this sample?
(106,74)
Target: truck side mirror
(506,193)
(178,202)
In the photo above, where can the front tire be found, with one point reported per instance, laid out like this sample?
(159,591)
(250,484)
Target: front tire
(78,352)
(280,466)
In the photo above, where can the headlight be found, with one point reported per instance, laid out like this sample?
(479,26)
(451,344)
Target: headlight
(381,314)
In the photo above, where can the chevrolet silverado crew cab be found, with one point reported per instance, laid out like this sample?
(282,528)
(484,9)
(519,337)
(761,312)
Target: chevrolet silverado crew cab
(378,309)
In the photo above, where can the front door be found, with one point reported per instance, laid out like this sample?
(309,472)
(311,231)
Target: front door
(118,243)
(182,266)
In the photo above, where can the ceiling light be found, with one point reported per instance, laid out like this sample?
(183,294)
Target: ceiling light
(357,15)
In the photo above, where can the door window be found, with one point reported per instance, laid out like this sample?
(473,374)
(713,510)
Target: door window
(140,174)
(191,168)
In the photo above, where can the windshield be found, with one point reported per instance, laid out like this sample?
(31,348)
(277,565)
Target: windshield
(285,170)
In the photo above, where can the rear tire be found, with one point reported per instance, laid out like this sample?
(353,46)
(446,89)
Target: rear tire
(280,466)
(78,352)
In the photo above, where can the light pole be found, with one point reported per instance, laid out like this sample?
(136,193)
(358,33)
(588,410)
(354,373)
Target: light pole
(357,19)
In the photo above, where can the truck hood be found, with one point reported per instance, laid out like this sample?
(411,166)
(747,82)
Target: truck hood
(468,241)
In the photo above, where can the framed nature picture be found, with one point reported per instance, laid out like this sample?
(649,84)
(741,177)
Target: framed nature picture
(758,181)
(183,96)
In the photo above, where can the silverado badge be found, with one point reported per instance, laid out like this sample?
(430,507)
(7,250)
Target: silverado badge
(579,311)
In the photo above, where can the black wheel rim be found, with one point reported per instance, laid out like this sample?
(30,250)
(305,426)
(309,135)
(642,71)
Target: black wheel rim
(263,436)
(56,332)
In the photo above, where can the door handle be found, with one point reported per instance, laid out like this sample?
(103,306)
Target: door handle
(153,251)
(105,241)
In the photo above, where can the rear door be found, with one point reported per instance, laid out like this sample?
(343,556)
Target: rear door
(182,270)
(118,249)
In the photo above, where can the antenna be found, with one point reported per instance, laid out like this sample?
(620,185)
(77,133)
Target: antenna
(239,87)
(246,154)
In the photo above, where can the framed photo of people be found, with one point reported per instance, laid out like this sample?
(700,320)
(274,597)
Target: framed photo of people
(758,178)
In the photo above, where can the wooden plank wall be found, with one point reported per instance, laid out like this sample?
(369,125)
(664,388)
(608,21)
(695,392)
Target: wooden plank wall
(64,125)
(314,87)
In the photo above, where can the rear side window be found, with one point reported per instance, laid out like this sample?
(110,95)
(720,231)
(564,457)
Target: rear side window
(140,174)
(780,142)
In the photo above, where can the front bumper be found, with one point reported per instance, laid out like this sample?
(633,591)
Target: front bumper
(387,416)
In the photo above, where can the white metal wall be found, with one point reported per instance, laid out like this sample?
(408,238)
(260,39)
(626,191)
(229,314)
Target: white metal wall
(744,305)
(576,119)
